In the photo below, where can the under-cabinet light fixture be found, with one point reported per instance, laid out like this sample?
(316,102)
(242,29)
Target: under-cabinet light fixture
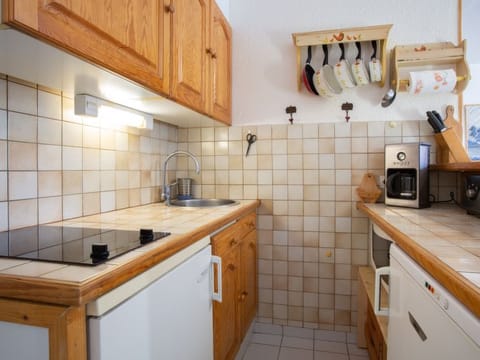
(88,105)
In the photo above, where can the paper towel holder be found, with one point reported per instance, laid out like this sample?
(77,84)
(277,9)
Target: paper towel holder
(442,55)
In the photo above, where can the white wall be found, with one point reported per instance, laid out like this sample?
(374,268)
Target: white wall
(224,5)
(471,27)
(471,30)
(264,68)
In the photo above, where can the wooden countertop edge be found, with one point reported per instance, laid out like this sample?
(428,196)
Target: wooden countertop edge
(466,292)
(77,294)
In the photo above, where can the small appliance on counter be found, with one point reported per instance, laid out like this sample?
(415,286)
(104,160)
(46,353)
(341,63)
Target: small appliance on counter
(184,188)
(406,175)
(469,193)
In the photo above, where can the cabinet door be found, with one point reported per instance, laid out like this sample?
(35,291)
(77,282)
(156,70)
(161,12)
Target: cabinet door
(248,293)
(220,75)
(190,23)
(125,36)
(225,314)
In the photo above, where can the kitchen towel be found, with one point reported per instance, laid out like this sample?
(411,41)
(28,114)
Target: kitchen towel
(431,82)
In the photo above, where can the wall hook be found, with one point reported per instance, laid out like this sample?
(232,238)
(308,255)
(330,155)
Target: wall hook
(291,110)
(347,107)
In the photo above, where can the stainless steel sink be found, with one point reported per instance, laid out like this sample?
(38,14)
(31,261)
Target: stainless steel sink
(203,202)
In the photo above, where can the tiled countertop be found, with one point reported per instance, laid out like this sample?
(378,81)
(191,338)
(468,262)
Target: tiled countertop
(443,239)
(75,285)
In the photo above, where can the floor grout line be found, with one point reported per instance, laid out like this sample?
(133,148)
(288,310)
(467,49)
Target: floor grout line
(283,345)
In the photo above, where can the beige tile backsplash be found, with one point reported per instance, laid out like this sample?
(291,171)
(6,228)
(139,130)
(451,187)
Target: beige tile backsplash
(311,238)
(55,165)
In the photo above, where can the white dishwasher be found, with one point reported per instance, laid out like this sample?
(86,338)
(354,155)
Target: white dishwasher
(425,320)
(167,313)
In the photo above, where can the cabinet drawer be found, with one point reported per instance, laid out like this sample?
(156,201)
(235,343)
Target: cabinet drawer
(246,224)
(232,236)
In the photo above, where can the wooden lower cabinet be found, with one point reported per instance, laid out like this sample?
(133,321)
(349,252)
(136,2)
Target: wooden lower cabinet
(376,345)
(237,246)
(371,329)
(248,275)
(67,334)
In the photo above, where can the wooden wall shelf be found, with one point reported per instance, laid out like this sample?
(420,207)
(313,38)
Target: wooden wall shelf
(427,57)
(457,167)
(315,38)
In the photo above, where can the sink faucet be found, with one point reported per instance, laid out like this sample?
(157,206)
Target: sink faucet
(166,187)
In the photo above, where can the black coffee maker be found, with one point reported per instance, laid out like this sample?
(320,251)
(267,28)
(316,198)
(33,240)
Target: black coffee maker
(406,175)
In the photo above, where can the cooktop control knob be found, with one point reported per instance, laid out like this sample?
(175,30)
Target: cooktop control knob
(99,252)
(401,156)
(146,236)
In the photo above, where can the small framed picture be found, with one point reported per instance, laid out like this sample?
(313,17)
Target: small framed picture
(472,126)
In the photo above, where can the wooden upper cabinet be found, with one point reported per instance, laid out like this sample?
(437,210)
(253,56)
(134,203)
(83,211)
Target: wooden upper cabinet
(125,36)
(190,23)
(178,48)
(220,69)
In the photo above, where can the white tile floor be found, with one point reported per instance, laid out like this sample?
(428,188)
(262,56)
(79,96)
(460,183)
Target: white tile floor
(275,342)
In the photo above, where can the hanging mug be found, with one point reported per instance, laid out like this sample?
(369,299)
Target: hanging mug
(375,66)
(359,70)
(343,71)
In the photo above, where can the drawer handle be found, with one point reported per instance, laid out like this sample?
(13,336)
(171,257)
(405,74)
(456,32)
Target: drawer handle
(417,327)
(233,242)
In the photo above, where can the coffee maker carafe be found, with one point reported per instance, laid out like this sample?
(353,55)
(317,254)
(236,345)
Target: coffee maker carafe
(406,175)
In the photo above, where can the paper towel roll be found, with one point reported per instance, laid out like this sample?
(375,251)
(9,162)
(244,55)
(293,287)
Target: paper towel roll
(431,82)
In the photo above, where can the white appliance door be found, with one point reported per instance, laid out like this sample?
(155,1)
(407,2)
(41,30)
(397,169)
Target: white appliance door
(418,328)
(169,319)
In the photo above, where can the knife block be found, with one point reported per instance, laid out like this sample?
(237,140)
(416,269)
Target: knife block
(450,148)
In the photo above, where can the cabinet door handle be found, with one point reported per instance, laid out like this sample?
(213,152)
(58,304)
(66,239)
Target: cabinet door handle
(233,242)
(242,296)
(251,225)
(170,8)
(252,245)
(216,296)
(231,267)
(378,290)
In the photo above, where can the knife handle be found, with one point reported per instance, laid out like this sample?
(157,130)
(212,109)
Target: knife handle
(439,120)
(437,123)
(432,122)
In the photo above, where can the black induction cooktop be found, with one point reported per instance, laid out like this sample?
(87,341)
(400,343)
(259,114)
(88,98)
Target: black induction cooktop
(73,245)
